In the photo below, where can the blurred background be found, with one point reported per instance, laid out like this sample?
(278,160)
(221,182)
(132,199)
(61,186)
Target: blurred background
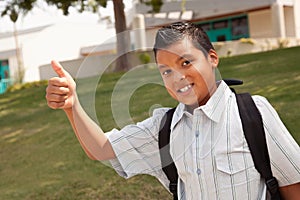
(100,41)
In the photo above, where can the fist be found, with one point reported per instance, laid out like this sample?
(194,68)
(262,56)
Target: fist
(61,90)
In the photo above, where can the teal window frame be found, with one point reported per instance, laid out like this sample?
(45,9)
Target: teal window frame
(227,32)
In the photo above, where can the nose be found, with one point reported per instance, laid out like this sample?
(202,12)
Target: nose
(179,76)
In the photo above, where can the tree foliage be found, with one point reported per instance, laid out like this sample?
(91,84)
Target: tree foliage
(155,4)
(13,8)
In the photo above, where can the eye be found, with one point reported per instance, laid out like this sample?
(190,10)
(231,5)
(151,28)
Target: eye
(186,63)
(166,72)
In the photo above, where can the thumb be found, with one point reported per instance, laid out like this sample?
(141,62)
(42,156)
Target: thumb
(58,69)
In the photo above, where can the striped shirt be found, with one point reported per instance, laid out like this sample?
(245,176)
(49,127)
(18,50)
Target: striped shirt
(209,150)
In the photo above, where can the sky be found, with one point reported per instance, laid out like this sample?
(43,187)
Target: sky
(44,14)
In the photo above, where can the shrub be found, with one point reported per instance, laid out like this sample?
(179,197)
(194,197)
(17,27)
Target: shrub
(19,86)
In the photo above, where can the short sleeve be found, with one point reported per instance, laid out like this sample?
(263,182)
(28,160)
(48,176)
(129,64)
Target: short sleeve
(136,148)
(283,150)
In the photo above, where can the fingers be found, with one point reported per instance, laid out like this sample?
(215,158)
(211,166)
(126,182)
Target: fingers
(57,92)
(65,77)
(56,105)
(61,91)
(58,69)
(55,100)
(60,82)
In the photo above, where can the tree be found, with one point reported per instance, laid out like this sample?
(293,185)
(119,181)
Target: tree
(14,7)
(122,36)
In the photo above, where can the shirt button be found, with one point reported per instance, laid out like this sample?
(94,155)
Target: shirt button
(198,171)
(197,133)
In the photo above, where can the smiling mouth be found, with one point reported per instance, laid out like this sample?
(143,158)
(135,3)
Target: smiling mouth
(186,88)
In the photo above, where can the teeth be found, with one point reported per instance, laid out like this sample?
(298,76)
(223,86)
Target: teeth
(185,88)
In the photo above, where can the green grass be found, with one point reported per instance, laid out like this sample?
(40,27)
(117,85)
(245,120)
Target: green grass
(42,159)
(275,75)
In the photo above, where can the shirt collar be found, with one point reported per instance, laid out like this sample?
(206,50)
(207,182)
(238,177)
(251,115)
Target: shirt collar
(178,114)
(213,109)
(216,105)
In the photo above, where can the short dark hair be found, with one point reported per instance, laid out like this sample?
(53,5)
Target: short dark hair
(177,31)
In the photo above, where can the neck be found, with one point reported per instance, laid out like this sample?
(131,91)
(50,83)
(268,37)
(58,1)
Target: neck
(191,108)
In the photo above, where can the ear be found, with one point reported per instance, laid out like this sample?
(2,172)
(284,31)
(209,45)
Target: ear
(213,58)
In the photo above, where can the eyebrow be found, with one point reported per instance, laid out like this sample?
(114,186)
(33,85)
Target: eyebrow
(184,57)
(162,66)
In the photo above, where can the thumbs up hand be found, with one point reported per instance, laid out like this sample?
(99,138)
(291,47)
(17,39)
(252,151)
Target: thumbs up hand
(61,90)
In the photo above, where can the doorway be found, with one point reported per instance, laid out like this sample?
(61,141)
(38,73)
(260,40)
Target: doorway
(4,75)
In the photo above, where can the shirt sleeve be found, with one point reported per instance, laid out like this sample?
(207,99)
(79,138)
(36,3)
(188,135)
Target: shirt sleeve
(136,148)
(283,150)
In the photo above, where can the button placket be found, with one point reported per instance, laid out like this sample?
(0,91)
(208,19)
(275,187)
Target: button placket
(197,133)
(197,121)
(198,171)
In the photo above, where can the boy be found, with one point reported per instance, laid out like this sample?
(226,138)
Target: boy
(207,142)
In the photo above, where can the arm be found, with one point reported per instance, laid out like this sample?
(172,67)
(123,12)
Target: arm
(290,192)
(283,150)
(61,94)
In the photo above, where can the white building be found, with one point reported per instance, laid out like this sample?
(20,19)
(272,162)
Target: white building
(231,19)
(39,46)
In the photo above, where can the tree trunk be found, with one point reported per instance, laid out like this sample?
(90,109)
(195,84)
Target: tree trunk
(123,36)
(19,75)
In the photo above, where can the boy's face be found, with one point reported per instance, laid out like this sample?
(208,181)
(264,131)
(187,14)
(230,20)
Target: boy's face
(187,73)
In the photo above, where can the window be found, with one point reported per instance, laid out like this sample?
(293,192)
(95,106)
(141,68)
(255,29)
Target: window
(221,38)
(205,27)
(230,28)
(220,24)
(239,27)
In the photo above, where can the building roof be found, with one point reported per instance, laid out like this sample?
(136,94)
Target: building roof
(172,11)
(23,32)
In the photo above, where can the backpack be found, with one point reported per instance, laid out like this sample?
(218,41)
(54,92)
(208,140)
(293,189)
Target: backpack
(254,134)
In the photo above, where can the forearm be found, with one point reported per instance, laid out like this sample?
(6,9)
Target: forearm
(61,94)
(89,134)
(290,192)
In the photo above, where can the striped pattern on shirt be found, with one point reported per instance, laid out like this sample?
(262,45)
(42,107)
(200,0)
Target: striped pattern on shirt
(209,150)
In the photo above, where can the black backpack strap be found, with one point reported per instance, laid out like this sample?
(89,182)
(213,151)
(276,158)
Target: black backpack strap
(256,139)
(167,162)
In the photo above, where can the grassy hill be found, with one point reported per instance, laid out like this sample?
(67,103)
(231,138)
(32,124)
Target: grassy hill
(42,159)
